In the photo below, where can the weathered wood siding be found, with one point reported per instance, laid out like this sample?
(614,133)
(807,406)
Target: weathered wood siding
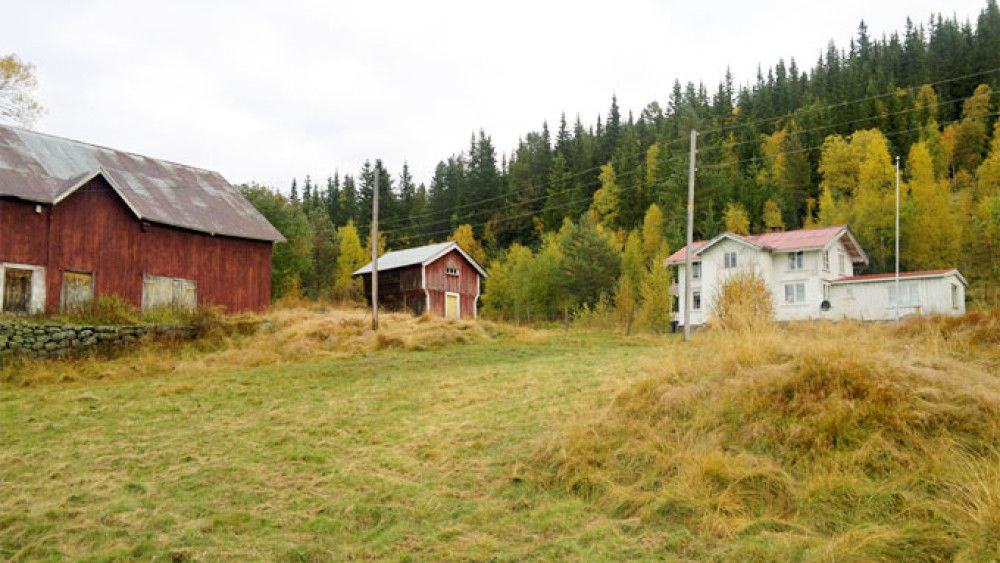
(398,290)
(93,231)
(873,300)
(23,233)
(466,284)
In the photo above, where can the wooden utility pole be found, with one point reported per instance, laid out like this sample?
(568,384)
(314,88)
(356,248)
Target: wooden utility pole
(374,237)
(897,241)
(690,240)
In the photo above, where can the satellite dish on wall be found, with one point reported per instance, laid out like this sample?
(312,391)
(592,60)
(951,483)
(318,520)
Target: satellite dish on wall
(825,305)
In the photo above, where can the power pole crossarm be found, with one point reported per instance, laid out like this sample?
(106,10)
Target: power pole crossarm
(690,238)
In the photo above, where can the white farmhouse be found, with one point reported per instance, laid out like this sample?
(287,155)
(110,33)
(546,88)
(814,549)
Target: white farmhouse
(811,276)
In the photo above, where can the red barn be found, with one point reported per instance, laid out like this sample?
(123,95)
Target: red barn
(79,221)
(440,279)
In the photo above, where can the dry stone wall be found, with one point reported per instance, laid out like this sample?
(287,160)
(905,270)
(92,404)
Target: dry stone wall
(54,340)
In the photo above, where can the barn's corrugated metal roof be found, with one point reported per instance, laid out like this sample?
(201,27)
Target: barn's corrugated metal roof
(44,168)
(414,256)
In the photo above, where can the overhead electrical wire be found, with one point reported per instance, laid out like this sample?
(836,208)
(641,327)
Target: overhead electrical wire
(429,234)
(450,210)
(846,103)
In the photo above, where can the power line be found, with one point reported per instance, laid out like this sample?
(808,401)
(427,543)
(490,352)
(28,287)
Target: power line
(799,132)
(539,198)
(404,230)
(494,198)
(806,149)
(529,214)
(444,212)
(429,234)
(849,102)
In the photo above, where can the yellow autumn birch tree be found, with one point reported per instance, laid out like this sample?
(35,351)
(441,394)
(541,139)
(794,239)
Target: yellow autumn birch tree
(930,235)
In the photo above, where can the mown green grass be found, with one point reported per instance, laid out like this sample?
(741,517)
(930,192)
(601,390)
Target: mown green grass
(396,455)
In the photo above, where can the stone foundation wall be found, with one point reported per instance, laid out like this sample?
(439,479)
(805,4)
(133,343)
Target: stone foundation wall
(55,340)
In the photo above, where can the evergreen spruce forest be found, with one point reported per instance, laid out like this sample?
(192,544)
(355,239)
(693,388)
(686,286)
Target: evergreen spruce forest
(580,214)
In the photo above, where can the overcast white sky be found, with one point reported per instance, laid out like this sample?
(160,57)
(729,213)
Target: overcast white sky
(270,90)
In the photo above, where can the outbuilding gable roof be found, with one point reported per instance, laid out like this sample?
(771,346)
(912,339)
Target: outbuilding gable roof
(892,276)
(47,169)
(422,255)
(802,239)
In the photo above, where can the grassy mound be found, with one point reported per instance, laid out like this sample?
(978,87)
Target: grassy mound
(831,442)
(286,336)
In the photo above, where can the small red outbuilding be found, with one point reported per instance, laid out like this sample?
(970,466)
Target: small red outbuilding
(439,279)
(78,221)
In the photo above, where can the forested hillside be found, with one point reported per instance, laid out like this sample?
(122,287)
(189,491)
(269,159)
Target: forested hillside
(798,147)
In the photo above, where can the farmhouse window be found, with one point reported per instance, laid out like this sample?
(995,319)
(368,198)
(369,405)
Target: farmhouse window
(840,263)
(908,296)
(954,296)
(451,270)
(730,259)
(826,260)
(696,270)
(695,300)
(795,293)
(77,289)
(796,260)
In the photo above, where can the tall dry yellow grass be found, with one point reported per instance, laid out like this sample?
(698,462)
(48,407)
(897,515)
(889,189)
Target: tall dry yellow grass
(303,333)
(813,441)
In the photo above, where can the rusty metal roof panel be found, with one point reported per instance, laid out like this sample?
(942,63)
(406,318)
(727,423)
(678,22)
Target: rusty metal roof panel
(43,168)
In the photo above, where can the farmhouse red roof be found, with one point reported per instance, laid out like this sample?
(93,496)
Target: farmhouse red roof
(45,169)
(786,240)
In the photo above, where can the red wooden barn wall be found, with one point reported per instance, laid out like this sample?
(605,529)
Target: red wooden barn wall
(92,230)
(23,233)
(466,284)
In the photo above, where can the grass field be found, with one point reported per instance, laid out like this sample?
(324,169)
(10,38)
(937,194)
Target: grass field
(445,441)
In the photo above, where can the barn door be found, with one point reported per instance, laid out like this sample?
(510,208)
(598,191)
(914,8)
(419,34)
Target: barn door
(16,291)
(451,306)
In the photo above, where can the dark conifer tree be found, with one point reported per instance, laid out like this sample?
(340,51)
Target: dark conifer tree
(332,200)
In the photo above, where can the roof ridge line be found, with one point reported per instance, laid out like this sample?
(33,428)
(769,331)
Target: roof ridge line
(95,145)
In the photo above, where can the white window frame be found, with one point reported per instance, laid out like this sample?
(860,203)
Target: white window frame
(796,261)
(37,301)
(826,260)
(730,259)
(954,296)
(696,270)
(696,301)
(909,294)
(840,263)
(797,293)
(145,305)
(452,270)
(62,286)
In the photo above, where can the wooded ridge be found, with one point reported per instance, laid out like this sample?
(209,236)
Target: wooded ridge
(796,148)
